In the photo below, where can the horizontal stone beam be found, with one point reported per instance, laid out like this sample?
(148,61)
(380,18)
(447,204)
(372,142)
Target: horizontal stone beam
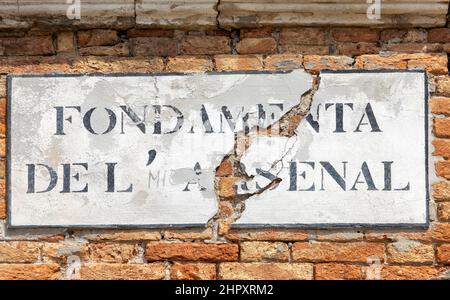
(223,14)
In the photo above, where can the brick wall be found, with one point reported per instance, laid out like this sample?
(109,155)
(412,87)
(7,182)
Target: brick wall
(218,252)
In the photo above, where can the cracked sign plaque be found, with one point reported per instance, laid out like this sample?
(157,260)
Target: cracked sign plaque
(134,150)
(131,150)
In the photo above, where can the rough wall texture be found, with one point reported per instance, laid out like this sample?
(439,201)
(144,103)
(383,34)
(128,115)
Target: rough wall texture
(217,251)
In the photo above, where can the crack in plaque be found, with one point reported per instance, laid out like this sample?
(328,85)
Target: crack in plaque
(231,208)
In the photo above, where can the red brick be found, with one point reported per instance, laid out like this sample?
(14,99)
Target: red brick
(413,47)
(355,35)
(441,127)
(357,48)
(256,32)
(97,37)
(433,63)
(441,148)
(443,254)
(403,35)
(205,45)
(316,63)
(135,32)
(29,45)
(303,36)
(336,252)
(193,271)
(439,35)
(256,46)
(122,271)
(440,105)
(154,46)
(225,169)
(227,187)
(191,251)
(2,199)
(305,49)
(338,272)
(440,232)
(29,272)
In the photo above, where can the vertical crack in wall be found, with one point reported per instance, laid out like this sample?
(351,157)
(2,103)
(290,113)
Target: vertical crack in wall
(231,172)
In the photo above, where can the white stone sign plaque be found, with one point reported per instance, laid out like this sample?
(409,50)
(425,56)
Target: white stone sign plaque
(139,150)
(359,158)
(131,150)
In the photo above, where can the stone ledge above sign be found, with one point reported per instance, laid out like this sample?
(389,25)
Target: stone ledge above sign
(222,14)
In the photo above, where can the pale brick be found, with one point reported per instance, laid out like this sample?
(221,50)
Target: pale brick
(332,271)
(441,190)
(60,252)
(338,252)
(283,61)
(113,252)
(443,85)
(193,271)
(122,235)
(406,251)
(434,63)
(443,211)
(305,49)
(316,63)
(102,271)
(188,234)
(16,252)
(410,272)
(262,251)
(265,271)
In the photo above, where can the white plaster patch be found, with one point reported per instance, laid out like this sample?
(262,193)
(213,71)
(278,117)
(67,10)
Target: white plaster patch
(359,158)
(131,150)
